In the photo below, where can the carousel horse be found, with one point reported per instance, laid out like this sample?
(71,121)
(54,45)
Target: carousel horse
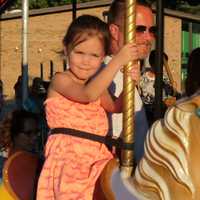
(19,176)
(169,169)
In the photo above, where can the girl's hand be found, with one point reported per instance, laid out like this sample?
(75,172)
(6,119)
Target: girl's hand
(129,52)
(135,72)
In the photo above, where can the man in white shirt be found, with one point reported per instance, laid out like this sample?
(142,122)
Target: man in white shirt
(145,32)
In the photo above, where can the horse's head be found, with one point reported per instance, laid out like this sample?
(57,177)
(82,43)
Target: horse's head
(170,167)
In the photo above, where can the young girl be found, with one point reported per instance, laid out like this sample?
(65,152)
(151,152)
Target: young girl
(77,99)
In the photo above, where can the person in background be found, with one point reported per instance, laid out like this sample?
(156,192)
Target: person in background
(145,35)
(192,83)
(147,87)
(77,102)
(18,138)
(36,98)
(35,104)
(18,92)
(12,104)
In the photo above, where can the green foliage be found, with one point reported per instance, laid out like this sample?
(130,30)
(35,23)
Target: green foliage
(189,6)
(52,3)
(17,4)
(172,4)
(36,4)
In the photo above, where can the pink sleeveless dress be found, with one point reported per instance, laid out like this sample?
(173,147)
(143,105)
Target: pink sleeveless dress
(73,164)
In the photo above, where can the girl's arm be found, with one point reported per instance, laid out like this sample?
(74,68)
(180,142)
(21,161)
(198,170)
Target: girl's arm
(63,84)
(114,104)
(111,103)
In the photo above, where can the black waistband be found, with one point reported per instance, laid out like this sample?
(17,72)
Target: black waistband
(107,140)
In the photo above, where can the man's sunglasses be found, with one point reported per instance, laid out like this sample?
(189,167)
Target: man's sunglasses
(142,29)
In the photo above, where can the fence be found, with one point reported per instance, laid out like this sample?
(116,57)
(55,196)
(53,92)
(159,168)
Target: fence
(51,67)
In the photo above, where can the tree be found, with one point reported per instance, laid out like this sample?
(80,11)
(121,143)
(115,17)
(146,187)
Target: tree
(36,4)
(190,6)
(193,2)
(185,5)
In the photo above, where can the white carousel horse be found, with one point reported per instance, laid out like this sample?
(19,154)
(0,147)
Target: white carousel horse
(170,167)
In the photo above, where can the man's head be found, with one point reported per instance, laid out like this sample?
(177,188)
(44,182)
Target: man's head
(144,27)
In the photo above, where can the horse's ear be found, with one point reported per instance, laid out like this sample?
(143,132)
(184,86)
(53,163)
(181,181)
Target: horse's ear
(196,100)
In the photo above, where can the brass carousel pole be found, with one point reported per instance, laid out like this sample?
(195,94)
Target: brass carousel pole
(129,92)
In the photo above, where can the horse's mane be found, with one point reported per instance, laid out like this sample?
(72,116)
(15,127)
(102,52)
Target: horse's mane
(168,170)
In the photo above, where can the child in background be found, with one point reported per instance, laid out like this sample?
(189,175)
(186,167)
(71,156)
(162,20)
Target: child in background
(20,169)
(78,100)
(192,82)
(147,87)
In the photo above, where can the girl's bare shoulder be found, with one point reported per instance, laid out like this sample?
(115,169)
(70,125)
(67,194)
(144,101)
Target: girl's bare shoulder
(60,79)
(61,75)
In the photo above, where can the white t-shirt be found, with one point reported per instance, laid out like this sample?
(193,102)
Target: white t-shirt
(141,125)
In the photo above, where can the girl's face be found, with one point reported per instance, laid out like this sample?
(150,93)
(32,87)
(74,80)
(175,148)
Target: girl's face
(86,58)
